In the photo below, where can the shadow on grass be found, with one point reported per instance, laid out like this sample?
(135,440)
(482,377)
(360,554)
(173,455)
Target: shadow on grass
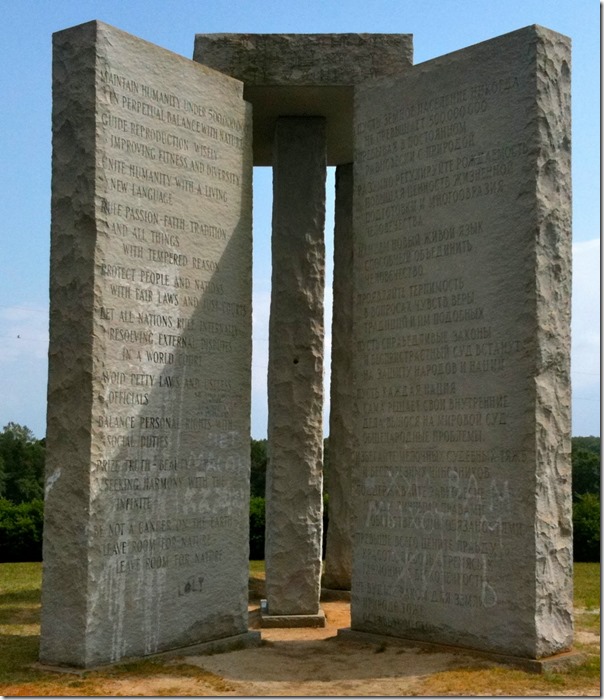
(17,652)
(20,615)
(29,595)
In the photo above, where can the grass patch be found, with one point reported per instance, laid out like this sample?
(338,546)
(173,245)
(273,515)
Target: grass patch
(257,569)
(587,596)
(589,621)
(20,583)
(19,622)
(145,677)
(256,587)
(504,681)
(587,585)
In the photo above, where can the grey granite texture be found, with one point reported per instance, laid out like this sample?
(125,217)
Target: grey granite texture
(304,75)
(147,483)
(342,438)
(462,339)
(294,486)
(305,59)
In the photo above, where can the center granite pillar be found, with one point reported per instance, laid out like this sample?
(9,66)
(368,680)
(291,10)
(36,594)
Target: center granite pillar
(294,501)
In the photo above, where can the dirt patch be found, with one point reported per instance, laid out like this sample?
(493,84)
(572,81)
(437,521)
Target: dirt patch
(314,662)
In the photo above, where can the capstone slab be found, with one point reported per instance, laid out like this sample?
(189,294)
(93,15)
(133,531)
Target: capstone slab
(147,484)
(461,333)
(304,75)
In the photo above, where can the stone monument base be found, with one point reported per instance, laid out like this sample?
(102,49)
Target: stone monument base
(317,620)
(557,662)
(214,646)
(335,594)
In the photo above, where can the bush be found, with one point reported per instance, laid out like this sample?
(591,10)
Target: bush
(586,471)
(21,464)
(257,520)
(586,524)
(21,530)
(258,467)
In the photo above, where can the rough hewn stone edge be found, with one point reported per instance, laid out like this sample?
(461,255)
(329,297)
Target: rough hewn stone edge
(551,122)
(304,59)
(557,662)
(337,572)
(77,226)
(71,346)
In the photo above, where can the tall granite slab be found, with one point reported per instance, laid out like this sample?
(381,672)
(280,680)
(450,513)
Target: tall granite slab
(147,485)
(462,306)
(342,428)
(294,479)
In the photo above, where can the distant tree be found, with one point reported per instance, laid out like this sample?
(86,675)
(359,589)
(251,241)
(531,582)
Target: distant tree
(257,524)
(21,464)
(325,464)
(586,465)
(591,443)
(258,471)
(586,527)
(586,473)
(21,530)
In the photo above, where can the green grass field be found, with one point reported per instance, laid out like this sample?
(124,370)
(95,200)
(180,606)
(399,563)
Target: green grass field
(587,586)
(19,638)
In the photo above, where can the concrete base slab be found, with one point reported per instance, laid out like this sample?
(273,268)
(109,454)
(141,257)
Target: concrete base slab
(214,646)
(334,594)
(557,662)
(317,620)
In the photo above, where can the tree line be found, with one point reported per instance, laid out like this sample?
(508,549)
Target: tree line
(22,493)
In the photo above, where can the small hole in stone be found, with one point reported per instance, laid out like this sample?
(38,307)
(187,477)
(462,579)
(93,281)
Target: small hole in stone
(296,360)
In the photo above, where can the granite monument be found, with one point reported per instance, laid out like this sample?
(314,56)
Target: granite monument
(147,487)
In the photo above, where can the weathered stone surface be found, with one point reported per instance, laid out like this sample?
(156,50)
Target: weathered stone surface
(146,518)
(462,307)
(305,59)
(304,75)
(294,499)
(342,438)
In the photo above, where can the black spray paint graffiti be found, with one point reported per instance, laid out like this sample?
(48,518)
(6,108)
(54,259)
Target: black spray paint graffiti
(465,520)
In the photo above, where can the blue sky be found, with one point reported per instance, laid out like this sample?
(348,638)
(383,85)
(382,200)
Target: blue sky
(438,27)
